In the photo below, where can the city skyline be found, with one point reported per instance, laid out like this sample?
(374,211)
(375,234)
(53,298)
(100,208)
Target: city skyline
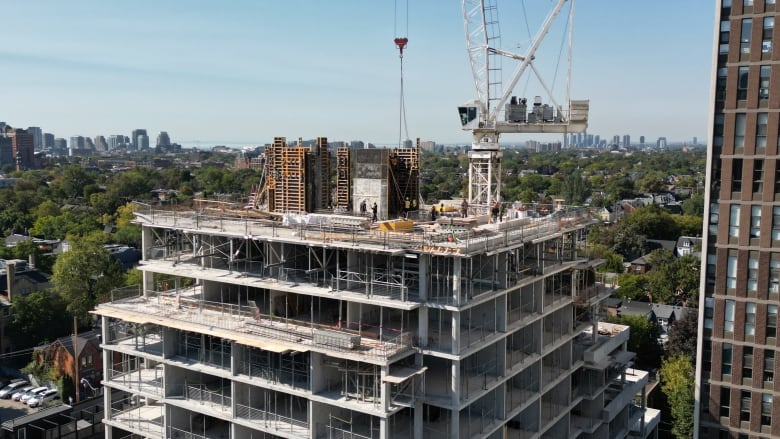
(246,74)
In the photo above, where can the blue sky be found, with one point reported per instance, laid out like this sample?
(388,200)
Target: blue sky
(242,72)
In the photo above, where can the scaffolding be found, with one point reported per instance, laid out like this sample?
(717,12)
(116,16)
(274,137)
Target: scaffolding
(343,179)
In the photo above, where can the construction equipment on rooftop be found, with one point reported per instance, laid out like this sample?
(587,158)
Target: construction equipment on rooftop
(481,115)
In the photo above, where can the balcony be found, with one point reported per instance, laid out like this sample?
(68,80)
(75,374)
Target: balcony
(610,337)
(131,414)
(243,324)
(141,380)
(620,393)
(296,425)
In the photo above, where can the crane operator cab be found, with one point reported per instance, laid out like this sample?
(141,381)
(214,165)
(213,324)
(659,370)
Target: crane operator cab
(470,115)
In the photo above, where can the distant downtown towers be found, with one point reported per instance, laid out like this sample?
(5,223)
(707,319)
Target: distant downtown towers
(736,394)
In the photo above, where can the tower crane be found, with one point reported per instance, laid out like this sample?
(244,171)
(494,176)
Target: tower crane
(482,116)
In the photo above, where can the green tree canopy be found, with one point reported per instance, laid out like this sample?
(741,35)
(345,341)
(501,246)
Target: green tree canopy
(677,384)
(84,276)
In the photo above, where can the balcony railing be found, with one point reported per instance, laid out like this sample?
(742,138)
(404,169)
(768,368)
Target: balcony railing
(272,420)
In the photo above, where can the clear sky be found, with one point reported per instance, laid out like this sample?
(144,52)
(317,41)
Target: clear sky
(244,71)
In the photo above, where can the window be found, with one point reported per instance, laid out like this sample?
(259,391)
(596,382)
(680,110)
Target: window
(725,394)
(774,276)
(734,220)
(769,365)
(742,86)
(771,321)
(731,272)
(728,323)
(762,119)
(766,409)
(750,319)
(711,259)
(708,312)
(747,2)
(744,406)
(776,221)
(744,39)
(765,72)
(766,38)
(752,282)
(747,362)
(726,359)
(725,30)
(739,134)
(755,221)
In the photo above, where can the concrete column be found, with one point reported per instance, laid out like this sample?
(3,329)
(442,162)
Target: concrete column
(456,281)
(422,326)
(424,261)
(148,283)
(455,388)
(418,420)
(146,242)
(107,364)
(455,332)
(385,388)
(383,429)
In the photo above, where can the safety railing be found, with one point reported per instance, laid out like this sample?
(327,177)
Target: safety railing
(271,420)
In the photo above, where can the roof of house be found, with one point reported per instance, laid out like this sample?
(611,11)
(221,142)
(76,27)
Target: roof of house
(67,342)
(634,308)
(687,241)
(655,244)
(666,311)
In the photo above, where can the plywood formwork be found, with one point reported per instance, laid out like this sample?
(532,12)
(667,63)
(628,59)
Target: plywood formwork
(343,178)
(405,179)
(323,177)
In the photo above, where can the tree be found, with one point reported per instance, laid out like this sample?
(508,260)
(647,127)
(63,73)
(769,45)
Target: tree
(38,317)
(643,340)
(632,286)
(677,384)
(682,335)
(84,276)
(694,206)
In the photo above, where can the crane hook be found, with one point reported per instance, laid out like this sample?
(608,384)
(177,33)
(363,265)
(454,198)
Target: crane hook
(401,44)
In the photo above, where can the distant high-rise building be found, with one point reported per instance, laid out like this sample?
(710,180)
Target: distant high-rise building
(60,146)
(736,394)
(616,140)
(163,141)
(142,142)
(641,140)
(626,141)
(134,137)
(76,142)
(37,136)
(695,140)
(661,142)
(88,144)
(101,144)
(48,140)
(23,148)
(597,140)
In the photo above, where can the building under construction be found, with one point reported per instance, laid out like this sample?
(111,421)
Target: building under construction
(332,327)
(297,179)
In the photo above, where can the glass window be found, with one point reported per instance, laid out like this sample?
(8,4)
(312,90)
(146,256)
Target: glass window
(747,2)
(744,405)
(734,220)
(747,362)
(725,395)
(709,302)
(755,221)
(726,358)
(742,84)
(750,319)
(725,30)
(766,40)
(774,275)
(739,132)
(731,272)
(771,321)
(752,282)
(769,365)
(766,409)
(762,119)
(728,316)
(776,222)
(747,29)
(765,72)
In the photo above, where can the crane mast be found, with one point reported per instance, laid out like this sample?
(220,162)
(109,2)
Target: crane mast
(482,115)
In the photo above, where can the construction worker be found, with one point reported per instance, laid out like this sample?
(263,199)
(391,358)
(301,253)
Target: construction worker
(464,208)
(433,213)
(374,209)
(363,209)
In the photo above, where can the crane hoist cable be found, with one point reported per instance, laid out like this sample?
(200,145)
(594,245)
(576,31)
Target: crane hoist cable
(400,43)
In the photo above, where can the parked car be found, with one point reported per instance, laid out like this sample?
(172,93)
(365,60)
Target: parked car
(18,394)
(10,389)
(39,399)
(26,396)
